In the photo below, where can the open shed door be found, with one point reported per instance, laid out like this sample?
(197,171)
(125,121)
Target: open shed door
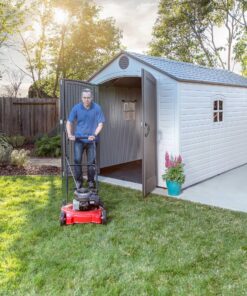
(70,94)
(149,131)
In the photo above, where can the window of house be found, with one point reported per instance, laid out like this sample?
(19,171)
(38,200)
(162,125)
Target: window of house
(129,109)
(218,111)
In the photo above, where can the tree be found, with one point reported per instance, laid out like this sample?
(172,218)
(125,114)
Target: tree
(241,53)
(240,49)
(74,47)
(11,16)
(34,41)
(15,79)
(185,30)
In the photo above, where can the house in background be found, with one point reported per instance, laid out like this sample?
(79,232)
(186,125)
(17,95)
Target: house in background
(153,105)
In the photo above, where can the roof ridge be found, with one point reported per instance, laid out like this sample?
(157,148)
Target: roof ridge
(187,63)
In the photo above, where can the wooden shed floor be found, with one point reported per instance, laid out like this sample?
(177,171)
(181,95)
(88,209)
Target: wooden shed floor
(131,171)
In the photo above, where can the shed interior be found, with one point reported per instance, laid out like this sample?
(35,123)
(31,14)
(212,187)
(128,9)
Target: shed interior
(121,139)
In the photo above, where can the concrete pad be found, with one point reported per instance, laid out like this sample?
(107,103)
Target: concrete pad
(122,183)
(228,190)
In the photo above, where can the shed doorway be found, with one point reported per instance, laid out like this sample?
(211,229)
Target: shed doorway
(129,137)
(121,138)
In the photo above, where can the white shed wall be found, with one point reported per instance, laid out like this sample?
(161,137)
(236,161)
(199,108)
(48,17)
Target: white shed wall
(210,148)
(167,116)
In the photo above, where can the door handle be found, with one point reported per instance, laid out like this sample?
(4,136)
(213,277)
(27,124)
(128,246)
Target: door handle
(148,129)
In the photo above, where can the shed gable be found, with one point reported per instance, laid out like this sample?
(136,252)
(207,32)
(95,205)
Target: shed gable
(124,65)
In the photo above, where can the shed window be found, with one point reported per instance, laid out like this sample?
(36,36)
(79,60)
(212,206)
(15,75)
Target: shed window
(129,110)
(218,111)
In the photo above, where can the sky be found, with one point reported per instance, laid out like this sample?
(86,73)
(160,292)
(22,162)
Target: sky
(135,18)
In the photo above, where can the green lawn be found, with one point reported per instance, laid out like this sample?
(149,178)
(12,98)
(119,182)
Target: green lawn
(159,246)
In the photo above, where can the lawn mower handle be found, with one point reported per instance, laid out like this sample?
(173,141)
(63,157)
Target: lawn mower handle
(81,138)
(85,138)
(69,165)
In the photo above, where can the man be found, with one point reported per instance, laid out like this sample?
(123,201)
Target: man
(89,123)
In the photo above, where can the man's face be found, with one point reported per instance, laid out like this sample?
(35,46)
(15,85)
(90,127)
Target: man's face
(86,99)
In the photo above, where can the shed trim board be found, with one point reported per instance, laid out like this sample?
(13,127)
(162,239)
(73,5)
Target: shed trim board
(185,118)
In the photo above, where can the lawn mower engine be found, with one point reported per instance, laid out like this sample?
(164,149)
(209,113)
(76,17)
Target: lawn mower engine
(85,200)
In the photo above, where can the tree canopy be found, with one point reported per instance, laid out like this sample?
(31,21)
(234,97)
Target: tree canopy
(67,39)
(186,30)
(10,18)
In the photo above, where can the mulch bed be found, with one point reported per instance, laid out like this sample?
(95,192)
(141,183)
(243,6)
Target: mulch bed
(29,169)
(28,146)
(10,170)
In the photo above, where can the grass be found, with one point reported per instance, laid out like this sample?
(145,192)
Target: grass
(159,246)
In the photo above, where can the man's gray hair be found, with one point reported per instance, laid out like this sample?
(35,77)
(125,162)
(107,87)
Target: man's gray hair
(87,90)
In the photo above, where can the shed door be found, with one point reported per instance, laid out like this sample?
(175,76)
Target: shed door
(70,94)
(149,118)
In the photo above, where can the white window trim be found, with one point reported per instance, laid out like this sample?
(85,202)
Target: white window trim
(218,98)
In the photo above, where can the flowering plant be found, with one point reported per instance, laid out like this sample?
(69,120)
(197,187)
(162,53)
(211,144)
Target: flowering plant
(19,158)
(174,169)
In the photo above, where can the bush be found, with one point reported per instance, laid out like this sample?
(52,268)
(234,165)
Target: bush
(48,146)
(5,151)
(16,141)
(19,158)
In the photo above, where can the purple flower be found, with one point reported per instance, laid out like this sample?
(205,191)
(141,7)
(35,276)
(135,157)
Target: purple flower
(172,162)
(167,158)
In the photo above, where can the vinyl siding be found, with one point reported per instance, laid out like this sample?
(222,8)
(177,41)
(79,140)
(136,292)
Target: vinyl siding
(167,125)
(210,148)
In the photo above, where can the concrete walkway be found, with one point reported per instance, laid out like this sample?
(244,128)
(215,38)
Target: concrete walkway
(40,161)
(228,190)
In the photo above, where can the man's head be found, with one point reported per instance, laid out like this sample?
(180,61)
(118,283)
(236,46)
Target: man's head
(87,97)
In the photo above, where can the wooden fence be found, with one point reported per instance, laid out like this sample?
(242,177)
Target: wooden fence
(28,117)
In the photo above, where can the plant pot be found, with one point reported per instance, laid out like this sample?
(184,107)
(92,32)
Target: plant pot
(173,187)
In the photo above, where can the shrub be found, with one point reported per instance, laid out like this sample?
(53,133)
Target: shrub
(5,151)
(48,146)
(3,140)
(19,158)
(16,141)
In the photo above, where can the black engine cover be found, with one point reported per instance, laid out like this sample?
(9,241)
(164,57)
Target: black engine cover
(86,200)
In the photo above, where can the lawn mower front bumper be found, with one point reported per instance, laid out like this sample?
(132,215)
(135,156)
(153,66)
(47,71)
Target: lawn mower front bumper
(69,216)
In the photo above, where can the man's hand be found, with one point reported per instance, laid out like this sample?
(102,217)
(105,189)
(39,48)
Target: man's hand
(71,137)
(91,138)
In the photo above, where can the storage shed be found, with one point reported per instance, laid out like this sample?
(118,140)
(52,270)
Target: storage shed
(153,105)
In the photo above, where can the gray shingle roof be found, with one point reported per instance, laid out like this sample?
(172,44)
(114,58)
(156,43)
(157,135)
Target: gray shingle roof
(182,71)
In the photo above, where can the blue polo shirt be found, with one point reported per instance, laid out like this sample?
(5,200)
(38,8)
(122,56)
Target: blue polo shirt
(87,120)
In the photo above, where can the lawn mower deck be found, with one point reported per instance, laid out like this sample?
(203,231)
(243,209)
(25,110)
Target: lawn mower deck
(69,216)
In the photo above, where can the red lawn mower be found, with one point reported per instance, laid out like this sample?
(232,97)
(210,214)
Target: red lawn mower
(87,206)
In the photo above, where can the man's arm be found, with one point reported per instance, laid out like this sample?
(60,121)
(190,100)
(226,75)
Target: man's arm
(69,128)
(97,131)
